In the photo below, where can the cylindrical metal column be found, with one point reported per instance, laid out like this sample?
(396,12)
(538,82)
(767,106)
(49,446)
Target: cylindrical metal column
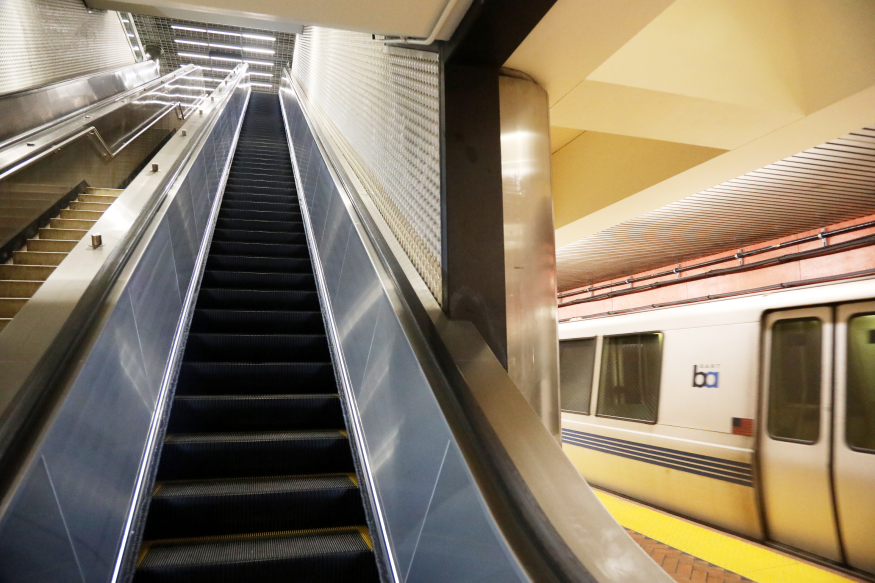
(529,242)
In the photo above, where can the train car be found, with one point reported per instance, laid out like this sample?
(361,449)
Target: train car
(754,414)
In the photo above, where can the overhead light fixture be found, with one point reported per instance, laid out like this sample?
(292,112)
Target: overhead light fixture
(187,28)
(254,50)
(130,35)
(194,55)
(191,42)
(259,37)
(260,84)
(264,63)
(224,32)
(229,59)
(257,74)
(125,21)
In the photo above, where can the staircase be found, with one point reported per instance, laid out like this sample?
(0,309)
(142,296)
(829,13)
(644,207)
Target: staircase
(256,480)
(34,263)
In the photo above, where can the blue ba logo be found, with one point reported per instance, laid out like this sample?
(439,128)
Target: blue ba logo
(709,379)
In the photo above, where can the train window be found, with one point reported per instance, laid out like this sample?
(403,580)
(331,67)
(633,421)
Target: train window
(576,364)
(629,380)
(860,417)
(794,380)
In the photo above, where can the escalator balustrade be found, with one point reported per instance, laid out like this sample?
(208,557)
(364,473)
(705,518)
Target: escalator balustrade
(256,480)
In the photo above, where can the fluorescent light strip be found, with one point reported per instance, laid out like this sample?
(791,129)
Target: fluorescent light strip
(254,50)
(230,47)
(125,21)
(260,84)
(257,74)
(218,69)
(195,55)
(130,35)
(230,60)
(259,37)
(224,32)
(136,48)
(188,28)
(265,63)
(191,42)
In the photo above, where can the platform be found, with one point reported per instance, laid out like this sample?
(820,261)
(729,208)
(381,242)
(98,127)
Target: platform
(691,552)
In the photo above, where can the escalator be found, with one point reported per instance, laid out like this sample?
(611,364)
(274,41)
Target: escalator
(256,479)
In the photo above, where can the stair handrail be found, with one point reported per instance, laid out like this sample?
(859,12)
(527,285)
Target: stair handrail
(27,410)
(33,152)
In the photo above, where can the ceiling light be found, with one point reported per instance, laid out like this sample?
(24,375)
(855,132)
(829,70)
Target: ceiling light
(254,50)
(260,84)
(130,35)
(257,74)
(265,63)
(259,37)
(230,60)
(125,21)
(188,28)
(191,42)
(195,55)
(223,32)
(229,47)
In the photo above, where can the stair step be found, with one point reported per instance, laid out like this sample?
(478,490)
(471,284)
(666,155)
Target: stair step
(18,289)
(82,205)
(96,198)
(62,234)
(248,454)
(10,306)
(4,322)
(91,216)
(329,555)
(113,192)
(227,378)
(29,272)
(246,505)
(37,257)
(82,224)
(215,413)
(51,245)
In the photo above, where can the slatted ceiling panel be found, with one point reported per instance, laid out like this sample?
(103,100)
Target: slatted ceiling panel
(827,184)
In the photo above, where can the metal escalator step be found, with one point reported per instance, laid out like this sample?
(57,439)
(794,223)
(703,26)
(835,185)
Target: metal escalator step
(258,280)
(248,205)
(193,456)
(249,505)
(246,299)
(249,236)
(259,215)
(260,249)
(259,264)
(256,225)
(213,413)
(258,321)
(203,347)
(228,378)
(289,197)
(332,555)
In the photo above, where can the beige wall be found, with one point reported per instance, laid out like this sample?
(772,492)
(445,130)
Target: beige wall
(596,169)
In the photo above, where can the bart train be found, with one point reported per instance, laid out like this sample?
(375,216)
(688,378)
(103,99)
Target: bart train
(754,414)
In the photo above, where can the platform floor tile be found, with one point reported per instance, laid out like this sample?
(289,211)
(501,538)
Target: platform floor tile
(732,555)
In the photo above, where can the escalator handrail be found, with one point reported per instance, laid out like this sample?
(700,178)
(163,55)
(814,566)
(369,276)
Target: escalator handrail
(543,548)
(26,413)
(32,155)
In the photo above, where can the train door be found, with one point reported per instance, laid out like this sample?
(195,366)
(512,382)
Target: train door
(796,428)
(854,435)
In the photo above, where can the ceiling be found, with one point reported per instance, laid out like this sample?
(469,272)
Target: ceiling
(266,51)
(384,17)
(653,101)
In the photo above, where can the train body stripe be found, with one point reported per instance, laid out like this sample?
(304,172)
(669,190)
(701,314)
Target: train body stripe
(720,469)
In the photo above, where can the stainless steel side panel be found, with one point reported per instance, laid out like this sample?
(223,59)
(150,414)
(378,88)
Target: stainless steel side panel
(436,514)
(71,512)
(530,247)
(25,110)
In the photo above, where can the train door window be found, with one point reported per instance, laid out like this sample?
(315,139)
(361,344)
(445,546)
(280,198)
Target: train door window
(860,415)
(794,383)
(576,364)
(630,374)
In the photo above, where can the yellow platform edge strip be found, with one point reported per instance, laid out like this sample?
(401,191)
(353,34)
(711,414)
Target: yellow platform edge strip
(741,557)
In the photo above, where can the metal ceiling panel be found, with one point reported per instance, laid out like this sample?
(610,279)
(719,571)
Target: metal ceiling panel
(827,184)
(228,42)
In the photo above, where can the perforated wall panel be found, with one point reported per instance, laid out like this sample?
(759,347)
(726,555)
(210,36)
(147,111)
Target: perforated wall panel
(385,103)
(45,41)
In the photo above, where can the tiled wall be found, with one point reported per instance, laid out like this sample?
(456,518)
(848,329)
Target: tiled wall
(45,41)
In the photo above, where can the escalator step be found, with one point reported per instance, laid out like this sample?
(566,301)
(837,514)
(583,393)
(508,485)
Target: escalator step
(258,321)
(245,505)
(282,226)
(193,456)
(259,215)
(259,264)
(257,348)
(256,280)
(248,299)
(212,413)
(261,206)
(334,555)
(228,378)
(260,249)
